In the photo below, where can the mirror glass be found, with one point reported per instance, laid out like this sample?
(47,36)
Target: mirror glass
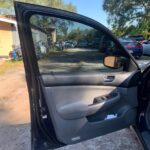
(113,62)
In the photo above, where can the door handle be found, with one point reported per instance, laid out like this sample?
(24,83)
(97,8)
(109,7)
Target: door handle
(109,78)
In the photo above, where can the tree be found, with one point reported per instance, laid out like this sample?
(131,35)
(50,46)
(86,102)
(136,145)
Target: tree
(6,6)
(125,14)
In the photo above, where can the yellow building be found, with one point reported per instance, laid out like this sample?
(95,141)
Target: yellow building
(8,36)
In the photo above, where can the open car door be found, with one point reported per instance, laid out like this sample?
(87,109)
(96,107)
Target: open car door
(82,82)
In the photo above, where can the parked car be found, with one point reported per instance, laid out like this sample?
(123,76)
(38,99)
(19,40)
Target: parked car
(69,44)
(95,43)
(146,47)
(82,44)
(60,45)
(70,107)
(135,48)
(138,38)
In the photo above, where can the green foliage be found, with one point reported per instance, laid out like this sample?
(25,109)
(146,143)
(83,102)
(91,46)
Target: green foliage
(86,34)
(8,5)
(128,16)
(75,34)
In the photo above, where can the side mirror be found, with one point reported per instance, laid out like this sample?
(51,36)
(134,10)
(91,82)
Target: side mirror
(114,62)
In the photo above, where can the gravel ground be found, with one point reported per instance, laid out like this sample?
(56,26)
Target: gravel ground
(15,120)
(120,140)
(17,137)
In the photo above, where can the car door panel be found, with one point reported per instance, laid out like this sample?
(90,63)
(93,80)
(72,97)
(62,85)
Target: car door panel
(123,79)
(75,115)
(80,104)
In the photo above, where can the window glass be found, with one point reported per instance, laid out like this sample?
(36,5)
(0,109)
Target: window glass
(68,46)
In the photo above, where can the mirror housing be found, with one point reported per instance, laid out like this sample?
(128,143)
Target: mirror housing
(114,62)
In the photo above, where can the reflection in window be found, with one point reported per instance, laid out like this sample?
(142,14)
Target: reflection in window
(67,46)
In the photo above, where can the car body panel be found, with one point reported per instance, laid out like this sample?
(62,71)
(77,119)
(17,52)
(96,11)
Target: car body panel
(135,48)
(146,47)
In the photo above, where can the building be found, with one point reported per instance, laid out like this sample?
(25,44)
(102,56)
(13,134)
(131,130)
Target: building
(8,35)
(45,36)
(39,35)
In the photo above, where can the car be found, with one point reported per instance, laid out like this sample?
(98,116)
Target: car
(94,43)
(139,38)
(79,95)
(82,44)
(146,47)
(59,45)
(69,44)
(135,48)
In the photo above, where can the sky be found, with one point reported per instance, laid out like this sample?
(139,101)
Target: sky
(92,9)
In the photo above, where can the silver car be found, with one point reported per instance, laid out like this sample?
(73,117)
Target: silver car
(146,47)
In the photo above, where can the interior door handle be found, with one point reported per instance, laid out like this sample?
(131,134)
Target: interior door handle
(109,78)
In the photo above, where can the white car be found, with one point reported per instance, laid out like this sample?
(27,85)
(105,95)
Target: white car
(146,47)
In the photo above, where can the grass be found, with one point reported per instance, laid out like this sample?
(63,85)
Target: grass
(7,65)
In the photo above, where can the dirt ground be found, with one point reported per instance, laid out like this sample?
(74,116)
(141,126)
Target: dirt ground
(15,120)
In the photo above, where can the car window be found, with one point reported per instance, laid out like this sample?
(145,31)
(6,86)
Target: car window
(67,46)
(137,37)
(129,43)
